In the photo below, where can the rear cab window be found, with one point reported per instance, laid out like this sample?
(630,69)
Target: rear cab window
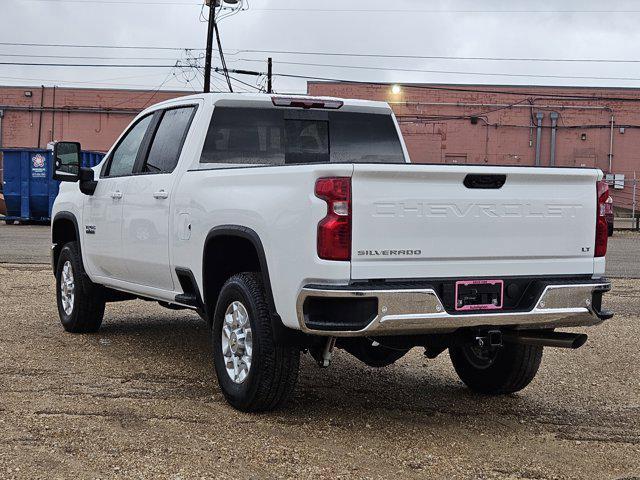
(287,136)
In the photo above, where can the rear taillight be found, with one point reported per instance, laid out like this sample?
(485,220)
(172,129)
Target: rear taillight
(602,235)
(334,230)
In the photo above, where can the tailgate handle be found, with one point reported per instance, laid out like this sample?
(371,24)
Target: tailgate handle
(484,181)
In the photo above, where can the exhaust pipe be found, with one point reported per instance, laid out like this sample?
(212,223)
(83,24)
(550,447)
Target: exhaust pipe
(546,339)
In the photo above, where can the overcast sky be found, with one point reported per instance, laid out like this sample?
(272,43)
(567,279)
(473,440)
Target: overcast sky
(455,28)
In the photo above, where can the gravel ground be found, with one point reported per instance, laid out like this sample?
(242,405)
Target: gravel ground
(140,400)
(25,243)
(31,244)
(623,255)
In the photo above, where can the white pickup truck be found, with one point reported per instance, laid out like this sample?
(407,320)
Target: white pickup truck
(297,224)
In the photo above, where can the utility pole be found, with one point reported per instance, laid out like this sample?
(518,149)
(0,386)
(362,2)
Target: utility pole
(207,57)
(269,75)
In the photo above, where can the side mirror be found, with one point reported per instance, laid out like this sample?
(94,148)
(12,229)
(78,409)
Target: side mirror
(66,157)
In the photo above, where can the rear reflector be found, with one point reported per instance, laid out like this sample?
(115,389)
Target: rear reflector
(307,102)
(602,229)
(334,230)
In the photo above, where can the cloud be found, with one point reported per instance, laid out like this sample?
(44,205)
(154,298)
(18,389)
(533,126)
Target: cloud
(388,30)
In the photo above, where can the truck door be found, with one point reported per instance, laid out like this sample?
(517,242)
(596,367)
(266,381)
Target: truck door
(146,209)
(102,213)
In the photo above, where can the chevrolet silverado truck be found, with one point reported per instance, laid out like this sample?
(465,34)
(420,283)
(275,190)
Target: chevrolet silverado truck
(298,225)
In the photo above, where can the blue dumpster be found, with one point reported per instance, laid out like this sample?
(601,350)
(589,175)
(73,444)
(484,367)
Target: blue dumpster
(29,190)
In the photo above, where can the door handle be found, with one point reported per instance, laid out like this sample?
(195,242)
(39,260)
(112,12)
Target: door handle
(117,195)
(161,195)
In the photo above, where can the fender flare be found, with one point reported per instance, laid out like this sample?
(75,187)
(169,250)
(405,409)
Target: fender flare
(281,333)
(250,235)
(64,216)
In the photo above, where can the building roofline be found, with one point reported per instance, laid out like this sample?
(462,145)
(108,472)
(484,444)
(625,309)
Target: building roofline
(134,90)
(471,85)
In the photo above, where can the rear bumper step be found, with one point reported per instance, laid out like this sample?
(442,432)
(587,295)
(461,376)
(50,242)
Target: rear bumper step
(349,311)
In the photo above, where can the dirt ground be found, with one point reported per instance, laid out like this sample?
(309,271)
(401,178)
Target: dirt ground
(140,400)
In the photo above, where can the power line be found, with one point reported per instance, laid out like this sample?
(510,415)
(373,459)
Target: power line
(119,47)
(240,81)
(447,72)
(166,79)
(310,77)
(315,53)
(437,57)
(98,84)
(92,65)
(384,11)
(100,81)
(116,2)
(80,57)
(454,88)
(387,11)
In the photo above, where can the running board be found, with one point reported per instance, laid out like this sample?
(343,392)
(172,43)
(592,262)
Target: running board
(186,299)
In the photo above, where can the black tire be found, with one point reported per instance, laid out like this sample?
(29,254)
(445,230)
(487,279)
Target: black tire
(273,371)
(9,222)
(509,369)
(610,229)
(87,307)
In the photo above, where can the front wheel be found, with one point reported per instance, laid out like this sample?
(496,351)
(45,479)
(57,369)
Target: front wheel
(500,371)
(80,302)
(254,372)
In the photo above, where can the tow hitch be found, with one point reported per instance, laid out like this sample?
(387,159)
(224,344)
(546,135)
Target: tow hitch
(492,339)
(496,339)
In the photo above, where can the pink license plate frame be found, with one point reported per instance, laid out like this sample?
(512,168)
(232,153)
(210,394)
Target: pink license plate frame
(489,306)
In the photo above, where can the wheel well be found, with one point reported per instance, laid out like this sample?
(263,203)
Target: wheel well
(62,231)
(224,256)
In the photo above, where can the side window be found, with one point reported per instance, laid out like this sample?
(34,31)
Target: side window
(124,156)
(168,140)
(245,136)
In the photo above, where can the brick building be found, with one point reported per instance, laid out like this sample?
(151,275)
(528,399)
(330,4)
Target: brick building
(594,127)
(34,116)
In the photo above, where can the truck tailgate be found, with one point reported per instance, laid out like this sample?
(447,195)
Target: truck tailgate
(421,221)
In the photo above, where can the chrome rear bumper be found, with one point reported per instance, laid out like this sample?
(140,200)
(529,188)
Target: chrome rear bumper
(420,310)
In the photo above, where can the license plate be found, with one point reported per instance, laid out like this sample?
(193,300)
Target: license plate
(479,295)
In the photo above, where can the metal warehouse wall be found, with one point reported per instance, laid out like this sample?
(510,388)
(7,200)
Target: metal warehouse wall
(33,116)
(496,124)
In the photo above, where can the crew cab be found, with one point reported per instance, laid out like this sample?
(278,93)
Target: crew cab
(298,224)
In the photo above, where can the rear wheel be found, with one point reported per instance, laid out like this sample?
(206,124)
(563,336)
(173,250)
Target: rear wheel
(497,371)
(80,302)
(254,372)
(9,222)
